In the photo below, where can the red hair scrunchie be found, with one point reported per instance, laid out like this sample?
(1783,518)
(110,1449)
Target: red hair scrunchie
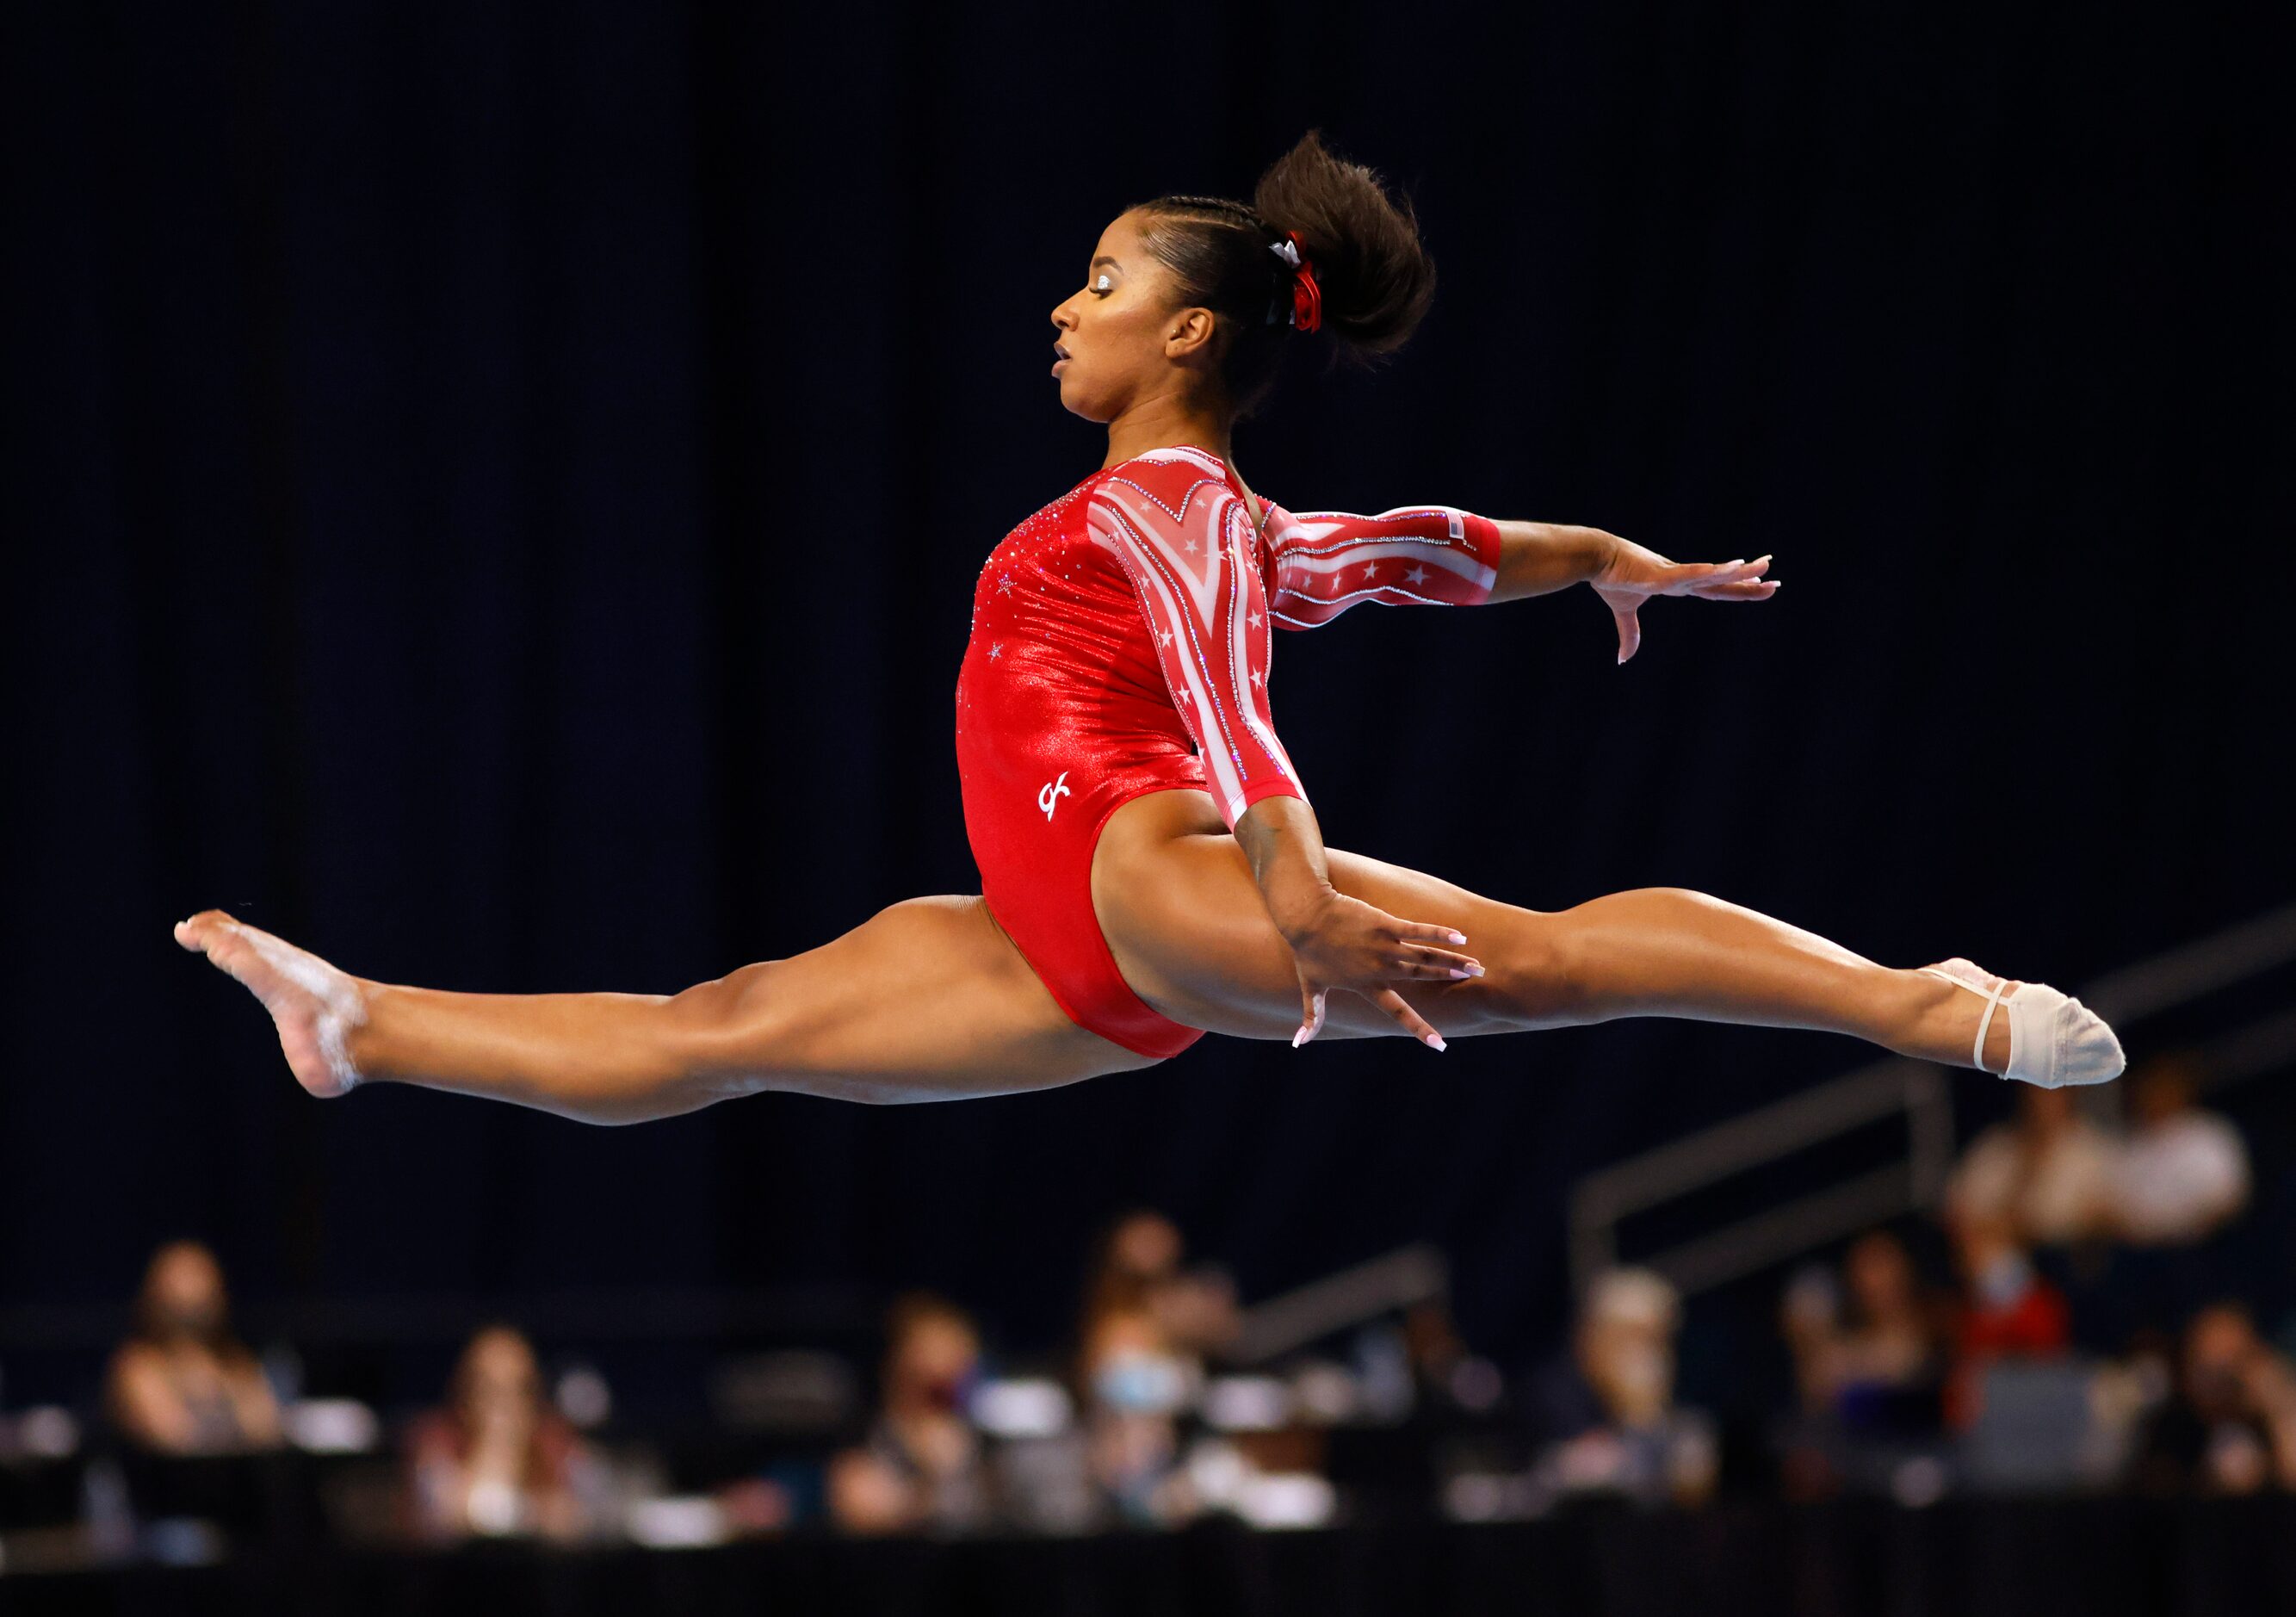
(1307,294)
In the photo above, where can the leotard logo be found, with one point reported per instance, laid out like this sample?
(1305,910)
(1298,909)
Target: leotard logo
(1049,798)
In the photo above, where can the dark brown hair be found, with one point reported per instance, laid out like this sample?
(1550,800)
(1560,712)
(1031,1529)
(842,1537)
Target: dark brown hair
(1376,277)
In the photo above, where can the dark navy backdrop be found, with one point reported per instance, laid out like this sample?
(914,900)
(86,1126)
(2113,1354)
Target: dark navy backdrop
(493,493)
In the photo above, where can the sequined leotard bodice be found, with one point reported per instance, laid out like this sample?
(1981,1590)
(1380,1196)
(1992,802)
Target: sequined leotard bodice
(1119,645)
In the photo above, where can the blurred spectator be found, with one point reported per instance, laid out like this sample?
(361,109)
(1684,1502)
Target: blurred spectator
(1137,1253)
(1445,1374)
(2046,1175)
(2008,1311)
(1610,1416)
(2183,1173)
(499,1459)
(1139,1264)
(1870,1358)
(1135,1387)
(921,1466)
(1877,1362)
(182,1383)
(2230,1426)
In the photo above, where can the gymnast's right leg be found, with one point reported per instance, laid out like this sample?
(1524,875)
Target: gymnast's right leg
(928,999)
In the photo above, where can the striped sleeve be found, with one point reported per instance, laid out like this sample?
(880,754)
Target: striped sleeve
(1177,528)
(1315,564)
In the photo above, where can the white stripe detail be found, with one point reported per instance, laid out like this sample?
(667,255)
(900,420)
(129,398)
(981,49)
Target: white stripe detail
(1243,585)
(1181,452)
(1341,602)
(1307,553)
(1202,574)
(1209,726)
(1449,561)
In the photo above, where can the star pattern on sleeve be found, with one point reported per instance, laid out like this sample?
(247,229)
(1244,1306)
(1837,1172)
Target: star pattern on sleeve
(1321,563)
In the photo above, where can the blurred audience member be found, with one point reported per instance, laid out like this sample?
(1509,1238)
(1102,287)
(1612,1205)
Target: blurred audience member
(1610,1416)
(1135,1387)
(1876,1363)
(498,1460)
(2044,1175)
(2008,1311)
(182,1383)
(1445,1374)
(1139,1264)
(2183,1173)
(921,1467)
(1137,1253)
(2230,1426)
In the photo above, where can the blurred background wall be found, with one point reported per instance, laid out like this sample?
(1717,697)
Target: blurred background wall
(493,494)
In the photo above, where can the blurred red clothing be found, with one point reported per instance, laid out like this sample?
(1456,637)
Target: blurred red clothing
(2038,1324)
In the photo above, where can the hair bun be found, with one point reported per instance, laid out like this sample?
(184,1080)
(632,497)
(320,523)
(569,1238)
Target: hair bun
(1372,276)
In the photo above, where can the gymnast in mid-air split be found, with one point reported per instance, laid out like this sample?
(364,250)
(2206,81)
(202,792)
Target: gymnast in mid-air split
(1151,867)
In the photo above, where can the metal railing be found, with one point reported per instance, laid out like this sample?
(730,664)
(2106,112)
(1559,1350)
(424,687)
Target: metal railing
(1921,1093)
(1388,1284)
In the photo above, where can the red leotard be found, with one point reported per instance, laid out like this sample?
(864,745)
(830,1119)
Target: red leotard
(1120,645)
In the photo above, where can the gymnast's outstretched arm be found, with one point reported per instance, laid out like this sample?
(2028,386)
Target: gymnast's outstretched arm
(1539,558)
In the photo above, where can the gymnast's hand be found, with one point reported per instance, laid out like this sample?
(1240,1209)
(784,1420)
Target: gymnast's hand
(1349,944)
(1632,575)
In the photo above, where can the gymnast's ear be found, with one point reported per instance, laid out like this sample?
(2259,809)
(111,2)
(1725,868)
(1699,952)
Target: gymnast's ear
(1189,334)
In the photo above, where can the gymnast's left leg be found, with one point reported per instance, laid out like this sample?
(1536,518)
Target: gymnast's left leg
(1194,938)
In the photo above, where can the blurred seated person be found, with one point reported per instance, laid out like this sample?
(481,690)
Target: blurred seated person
(2008,1311)
(182,1384)
(2045,1174)
(2183,1175)
(497,1459)
(1139,1264)
(921,1467)
(1609,1413)
(2230,1427)
(1446,1374)
(1876,1359)
(1134,1389)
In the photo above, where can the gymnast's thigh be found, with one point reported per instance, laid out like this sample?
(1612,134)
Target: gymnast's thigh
(928,999)
(1192,936)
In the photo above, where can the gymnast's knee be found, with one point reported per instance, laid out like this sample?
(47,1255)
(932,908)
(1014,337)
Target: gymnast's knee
(1539,978)
(734,1035)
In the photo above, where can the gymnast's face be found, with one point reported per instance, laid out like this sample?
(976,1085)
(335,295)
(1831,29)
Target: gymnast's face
(1122,340)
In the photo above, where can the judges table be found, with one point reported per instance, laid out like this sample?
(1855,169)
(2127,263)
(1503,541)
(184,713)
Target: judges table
(2095,1557)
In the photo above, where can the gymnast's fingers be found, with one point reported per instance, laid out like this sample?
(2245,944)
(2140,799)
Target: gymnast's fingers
(1311,1012)
(1442,963)
(1745,589)
(1706,576)
(1398,1008)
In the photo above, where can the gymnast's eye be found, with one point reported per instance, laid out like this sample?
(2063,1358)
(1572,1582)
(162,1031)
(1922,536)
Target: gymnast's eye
(1104,286)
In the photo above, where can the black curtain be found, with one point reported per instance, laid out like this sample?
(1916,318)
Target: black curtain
(1991,1557)
(493,493)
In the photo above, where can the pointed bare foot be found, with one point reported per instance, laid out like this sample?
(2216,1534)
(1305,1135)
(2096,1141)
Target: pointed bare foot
(314,1006)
